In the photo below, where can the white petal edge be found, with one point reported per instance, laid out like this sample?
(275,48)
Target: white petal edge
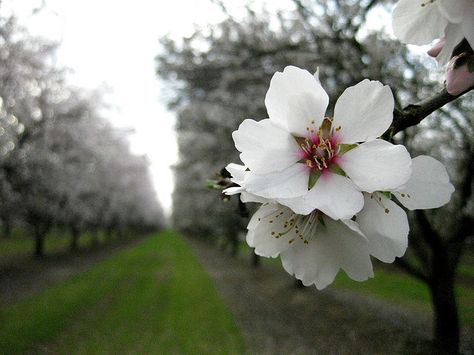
(453,36)
(294,99)
(468,23)
(385,225)
(264,146)
(364,111)
(334,195)
(237,172)
(428,187)
(453,11)
(377,165)
(334,246)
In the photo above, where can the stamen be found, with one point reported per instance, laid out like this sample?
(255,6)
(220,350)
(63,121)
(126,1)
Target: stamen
(427,3)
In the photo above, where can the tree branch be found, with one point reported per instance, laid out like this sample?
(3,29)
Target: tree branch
(410,269)
(413,114)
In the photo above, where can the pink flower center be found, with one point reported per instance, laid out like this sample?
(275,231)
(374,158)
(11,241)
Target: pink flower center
(320,149)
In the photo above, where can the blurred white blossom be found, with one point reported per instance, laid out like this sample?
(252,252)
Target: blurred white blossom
(422,21)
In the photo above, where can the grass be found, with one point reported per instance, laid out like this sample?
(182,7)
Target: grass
(152,298)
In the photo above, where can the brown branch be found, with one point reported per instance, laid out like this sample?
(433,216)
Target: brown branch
(413,114)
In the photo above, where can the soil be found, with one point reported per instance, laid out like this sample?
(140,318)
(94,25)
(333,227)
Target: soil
(277,317)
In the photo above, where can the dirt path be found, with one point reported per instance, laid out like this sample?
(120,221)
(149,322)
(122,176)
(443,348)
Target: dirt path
(24,275)
(277,318)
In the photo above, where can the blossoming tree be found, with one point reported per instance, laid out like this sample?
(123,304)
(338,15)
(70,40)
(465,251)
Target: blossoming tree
(61,163)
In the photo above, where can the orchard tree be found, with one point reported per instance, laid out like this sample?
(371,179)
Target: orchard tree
(62,164)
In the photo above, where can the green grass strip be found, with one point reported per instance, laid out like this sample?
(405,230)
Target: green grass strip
(152,298)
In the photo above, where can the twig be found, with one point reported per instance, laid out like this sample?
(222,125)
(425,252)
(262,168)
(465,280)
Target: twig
(413,114)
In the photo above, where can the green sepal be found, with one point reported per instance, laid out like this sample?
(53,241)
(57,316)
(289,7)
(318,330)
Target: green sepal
(212,184)
(344,148)
(313,177)
(336,169)
(387,194)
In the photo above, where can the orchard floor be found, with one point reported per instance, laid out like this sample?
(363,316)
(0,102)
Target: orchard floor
(276,317)
(22,275)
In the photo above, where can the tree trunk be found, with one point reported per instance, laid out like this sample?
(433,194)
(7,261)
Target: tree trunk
(95,237)
(7,228)
(74,239)
(39,242)
(446,319)
(255,260)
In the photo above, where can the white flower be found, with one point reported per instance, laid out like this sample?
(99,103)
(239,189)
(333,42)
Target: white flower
(306,161)
(422,21)
(312,247)
(237,173)
(385,224)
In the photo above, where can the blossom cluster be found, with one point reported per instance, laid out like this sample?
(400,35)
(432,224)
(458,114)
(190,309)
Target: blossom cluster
(330,188)
(420,22)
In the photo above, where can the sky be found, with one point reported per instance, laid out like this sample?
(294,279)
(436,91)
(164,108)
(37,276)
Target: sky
(112,44)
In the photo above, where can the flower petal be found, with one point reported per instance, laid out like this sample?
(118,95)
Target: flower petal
(468,24)
(428,187)
(288,183)
(453,11)
(265,228)
(234,190)
(364,111)
(385,225)
(265,147)
(454,35)
(333,246)
(334,195)
(294,99)
(248,197)
(418,21)
(237,172)
(377,165)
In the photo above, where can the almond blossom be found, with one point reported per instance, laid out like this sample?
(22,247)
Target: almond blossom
(312,247)
(385,224)
(422,21)
(306,161)
(315,247)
